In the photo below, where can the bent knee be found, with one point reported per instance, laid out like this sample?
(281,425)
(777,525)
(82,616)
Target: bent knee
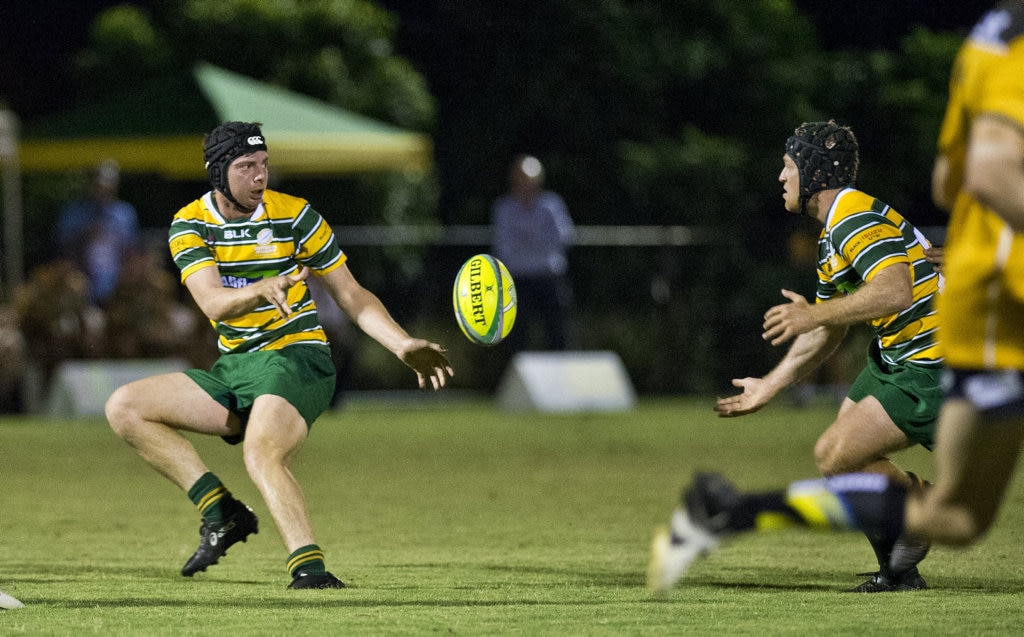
(120,409)
(260,457)
(828,458)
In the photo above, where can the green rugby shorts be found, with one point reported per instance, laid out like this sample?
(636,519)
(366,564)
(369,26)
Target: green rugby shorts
(301,374)
(910,393)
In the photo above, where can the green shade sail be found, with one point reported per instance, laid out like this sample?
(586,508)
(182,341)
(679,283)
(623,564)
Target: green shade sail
(159,128)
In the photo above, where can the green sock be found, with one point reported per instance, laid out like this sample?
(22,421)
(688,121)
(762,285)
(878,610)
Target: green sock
(307,560)
(209,495)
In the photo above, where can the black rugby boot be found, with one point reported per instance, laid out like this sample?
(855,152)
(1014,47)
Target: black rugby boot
(316,580)
(216,539)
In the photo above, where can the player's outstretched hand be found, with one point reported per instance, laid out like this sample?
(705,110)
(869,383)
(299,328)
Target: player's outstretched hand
(755,395)
(428,361)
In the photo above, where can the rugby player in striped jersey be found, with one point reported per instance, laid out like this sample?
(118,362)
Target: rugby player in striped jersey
(872,268)
(245,252)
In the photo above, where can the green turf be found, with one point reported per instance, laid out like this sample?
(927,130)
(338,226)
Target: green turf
(459,519)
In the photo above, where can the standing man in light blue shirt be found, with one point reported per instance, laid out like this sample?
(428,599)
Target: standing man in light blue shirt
(532,233)
(100,232)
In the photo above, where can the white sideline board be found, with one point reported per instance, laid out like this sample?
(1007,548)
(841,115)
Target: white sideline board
(82,387)
(566,382)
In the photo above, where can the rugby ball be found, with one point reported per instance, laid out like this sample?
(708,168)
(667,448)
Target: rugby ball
(485,300)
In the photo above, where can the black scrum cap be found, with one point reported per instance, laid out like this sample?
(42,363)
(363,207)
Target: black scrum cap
(826,156)
(225,144)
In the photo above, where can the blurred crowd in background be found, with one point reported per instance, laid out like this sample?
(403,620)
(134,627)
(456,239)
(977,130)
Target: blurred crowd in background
(107,293)
(644,122)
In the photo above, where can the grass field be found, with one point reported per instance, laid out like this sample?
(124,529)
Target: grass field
(455,518)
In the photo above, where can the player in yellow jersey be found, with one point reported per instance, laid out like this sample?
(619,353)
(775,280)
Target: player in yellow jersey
(872,268)
(979,176)
(244,252)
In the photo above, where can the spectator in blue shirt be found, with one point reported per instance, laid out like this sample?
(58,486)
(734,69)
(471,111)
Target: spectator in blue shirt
(532,232)
(100,232)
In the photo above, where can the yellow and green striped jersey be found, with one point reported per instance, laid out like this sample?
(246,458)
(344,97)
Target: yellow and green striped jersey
(283,234)
(861,237)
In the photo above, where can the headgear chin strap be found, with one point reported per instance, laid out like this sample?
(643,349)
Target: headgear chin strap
(225,144)
(826,156)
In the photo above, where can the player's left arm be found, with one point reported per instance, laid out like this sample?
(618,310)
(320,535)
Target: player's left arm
(368,312)
(994,174)
(889,291)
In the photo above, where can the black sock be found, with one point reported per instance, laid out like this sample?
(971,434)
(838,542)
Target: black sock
(861,501)
(753,510)
(882,541)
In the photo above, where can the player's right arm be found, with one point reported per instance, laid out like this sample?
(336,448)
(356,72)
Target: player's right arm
(220,303)
(808,351)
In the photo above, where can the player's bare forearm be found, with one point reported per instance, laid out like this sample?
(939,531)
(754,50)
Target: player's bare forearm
(365,309)
(368,312)
(221,303)
(889,292)
(423,357)
(806,353)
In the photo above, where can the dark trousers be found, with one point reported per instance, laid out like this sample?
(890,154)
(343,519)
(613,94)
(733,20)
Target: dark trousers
(544,302)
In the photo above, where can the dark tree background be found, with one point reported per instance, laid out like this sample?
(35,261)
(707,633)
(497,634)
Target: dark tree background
(664,112)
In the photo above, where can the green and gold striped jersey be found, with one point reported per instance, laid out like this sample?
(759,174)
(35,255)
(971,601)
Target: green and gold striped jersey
(861,237)
(282,235)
